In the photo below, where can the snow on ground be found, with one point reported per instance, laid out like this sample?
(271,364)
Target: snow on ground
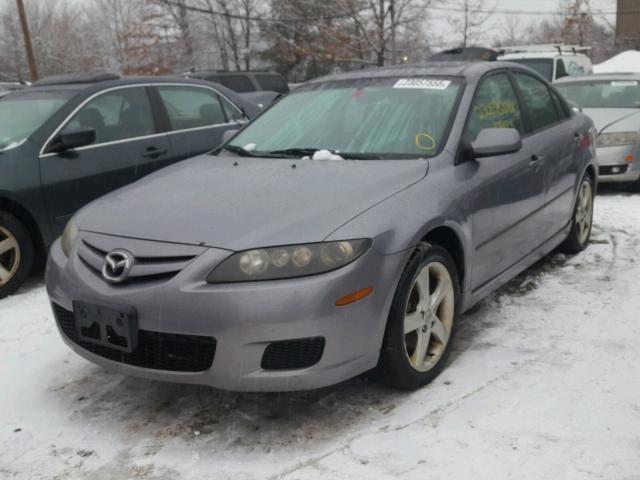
(544,383)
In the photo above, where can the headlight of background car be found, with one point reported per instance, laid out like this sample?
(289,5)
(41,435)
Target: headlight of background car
(68,237)
(617,139)
(288,262)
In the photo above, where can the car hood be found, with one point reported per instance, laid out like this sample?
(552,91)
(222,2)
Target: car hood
(614,119)
(240,203)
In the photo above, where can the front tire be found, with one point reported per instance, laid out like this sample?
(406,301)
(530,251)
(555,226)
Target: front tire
(582,220)
(16,254)
(422,320)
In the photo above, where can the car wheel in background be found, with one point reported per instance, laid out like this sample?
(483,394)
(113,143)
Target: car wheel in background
(16,254)
(582,220)
(422,320)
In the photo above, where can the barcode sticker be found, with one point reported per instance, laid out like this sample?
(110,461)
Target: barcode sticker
(422,83)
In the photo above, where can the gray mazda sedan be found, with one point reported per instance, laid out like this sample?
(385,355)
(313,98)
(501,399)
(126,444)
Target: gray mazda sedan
(346,229)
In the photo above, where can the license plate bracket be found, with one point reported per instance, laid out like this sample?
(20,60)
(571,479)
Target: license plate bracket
(110,326)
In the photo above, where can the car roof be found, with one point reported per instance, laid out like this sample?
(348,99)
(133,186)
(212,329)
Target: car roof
(468,70)
(600,77)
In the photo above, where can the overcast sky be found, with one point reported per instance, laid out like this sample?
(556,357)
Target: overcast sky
(439,24)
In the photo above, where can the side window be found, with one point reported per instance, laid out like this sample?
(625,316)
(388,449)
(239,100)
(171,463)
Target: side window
(495,106)
(561,71)
(561,106)
(237,83)
(537,99)
(233,113)
(191,107)
(117,115)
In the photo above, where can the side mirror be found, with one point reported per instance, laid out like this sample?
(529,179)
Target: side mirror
(492,142)
(70,139)
(228,135)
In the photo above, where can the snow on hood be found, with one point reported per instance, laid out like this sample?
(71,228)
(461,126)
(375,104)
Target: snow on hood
(239,203)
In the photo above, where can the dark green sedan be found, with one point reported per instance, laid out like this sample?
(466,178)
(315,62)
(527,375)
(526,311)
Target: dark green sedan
(69,139)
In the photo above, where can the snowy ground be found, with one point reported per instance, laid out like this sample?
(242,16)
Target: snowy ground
(544,383)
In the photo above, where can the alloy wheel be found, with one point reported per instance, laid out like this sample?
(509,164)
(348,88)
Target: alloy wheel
(429,316)
(584,212)
(9,256)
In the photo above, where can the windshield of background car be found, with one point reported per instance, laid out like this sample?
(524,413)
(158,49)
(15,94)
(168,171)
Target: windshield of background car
(544,66)
(385,117)
(603,94)
(23,113)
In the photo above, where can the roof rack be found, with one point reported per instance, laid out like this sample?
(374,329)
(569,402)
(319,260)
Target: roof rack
(545,48)
(77,78)
(465,54)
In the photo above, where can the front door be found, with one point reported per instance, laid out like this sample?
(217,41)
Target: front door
(127,141)
(505,202)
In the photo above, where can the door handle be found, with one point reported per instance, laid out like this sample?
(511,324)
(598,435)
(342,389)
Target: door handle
(154,152)
(536,160)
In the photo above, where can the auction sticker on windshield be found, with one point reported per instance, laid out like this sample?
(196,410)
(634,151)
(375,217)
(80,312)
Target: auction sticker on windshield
(425,83)
(624,83)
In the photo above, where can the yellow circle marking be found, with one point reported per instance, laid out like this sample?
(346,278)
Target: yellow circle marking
(425,141)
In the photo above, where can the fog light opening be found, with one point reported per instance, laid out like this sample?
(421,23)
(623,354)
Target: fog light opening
(354,297)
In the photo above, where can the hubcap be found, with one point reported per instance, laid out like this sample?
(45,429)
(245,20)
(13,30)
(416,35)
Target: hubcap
(584,212)
(428,317)
(9,256)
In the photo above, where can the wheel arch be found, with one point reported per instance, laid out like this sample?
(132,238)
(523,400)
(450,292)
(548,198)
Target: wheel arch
(447,238)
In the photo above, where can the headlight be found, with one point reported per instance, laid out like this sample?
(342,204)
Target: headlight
(288,262)
(617,139)
(68,237)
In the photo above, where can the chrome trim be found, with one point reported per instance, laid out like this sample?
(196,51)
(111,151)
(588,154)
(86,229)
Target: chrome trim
(121,87)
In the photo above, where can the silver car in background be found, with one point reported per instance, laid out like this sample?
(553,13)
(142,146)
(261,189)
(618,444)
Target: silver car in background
(613,102)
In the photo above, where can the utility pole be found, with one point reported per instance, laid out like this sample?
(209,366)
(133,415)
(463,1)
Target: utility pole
(31,60)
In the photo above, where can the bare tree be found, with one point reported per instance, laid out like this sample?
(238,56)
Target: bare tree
(467,25)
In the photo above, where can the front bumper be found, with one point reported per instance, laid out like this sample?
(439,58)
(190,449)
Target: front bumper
(244,319)
(614,168)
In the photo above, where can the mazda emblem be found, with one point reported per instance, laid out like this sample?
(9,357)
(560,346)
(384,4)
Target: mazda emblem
(117,266)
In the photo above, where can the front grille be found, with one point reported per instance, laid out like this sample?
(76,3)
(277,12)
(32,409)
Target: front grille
(145,268)
(156,350)
(293,354)
(608,169)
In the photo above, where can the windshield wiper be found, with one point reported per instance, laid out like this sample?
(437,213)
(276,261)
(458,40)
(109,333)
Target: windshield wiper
(239,151)
(295,151)
(311,151)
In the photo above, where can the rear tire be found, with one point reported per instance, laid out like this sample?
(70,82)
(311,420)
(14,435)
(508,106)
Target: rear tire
(16,254)
(422,321)
(582,219)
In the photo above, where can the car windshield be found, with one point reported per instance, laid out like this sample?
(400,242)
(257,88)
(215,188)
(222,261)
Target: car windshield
(23,113)
(366,118)
(603,94)
(544,66)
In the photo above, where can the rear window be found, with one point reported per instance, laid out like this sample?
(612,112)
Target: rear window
(544,66)
(274,83)
(237,83)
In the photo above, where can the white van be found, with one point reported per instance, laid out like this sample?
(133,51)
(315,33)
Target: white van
(552,61)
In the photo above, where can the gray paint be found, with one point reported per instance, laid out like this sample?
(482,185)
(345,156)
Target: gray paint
(507,211)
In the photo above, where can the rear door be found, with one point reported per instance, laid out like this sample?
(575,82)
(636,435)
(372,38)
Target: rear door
(128,141)
(198,117)
(557,140)
(506,199)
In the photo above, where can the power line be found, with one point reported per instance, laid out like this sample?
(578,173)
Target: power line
(250,18)
(528,12)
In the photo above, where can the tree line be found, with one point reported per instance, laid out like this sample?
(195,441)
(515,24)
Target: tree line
(299,38)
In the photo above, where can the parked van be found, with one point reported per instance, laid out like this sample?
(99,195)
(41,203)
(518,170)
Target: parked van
(552,61)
